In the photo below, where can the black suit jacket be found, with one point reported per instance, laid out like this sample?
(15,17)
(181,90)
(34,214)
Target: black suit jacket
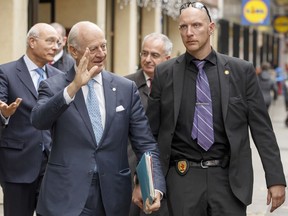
(21,144)
(242,107)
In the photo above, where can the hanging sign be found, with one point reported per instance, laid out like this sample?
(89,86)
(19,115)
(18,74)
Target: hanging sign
(255,12)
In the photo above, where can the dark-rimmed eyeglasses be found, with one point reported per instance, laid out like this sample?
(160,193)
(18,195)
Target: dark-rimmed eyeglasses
(197,5)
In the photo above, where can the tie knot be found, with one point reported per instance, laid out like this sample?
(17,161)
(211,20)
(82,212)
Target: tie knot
(40,71)
(91,83)
(199,63)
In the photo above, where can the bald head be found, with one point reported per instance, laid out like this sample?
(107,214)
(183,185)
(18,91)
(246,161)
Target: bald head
(85,35)
(81,32)
(39,30)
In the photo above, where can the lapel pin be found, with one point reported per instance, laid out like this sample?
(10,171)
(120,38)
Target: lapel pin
(226,72)
(114,89)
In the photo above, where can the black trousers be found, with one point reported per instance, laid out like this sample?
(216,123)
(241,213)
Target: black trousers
(20,199)
(202,192)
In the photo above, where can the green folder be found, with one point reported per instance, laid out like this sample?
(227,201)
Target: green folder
(145,177)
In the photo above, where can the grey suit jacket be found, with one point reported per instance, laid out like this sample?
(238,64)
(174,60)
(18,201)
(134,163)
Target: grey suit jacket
(65,63)
(21,143)
(74,154)
(242,107)
(143,89)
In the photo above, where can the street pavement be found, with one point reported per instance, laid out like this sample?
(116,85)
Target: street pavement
(258,207)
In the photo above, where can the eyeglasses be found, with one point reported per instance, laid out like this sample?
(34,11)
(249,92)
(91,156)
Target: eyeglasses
(197,5)
(50,41)
(153,55)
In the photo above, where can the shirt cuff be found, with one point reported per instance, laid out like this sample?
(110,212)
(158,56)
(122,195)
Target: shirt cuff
(161,193)
(4,120)
(66,96)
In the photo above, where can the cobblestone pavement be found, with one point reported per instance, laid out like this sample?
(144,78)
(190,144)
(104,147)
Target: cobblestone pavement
(258,206)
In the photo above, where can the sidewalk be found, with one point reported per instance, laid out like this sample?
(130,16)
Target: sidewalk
(258,206)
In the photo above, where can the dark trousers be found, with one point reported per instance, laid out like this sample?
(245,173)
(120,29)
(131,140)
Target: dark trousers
(20,199)
(202,192)
(94,205)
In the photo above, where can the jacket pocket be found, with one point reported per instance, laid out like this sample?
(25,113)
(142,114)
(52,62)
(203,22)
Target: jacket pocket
(12,144)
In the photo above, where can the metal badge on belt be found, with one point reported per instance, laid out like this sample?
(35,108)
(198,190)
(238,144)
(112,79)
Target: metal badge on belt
(182,167)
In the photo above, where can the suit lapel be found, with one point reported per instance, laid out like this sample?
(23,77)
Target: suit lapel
(25,77)
(224,73)
(178,79)
(141,81)
(110,91)
(79,103)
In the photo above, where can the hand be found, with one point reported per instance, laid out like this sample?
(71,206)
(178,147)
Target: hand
(155,205)
(276,193)
(82,75)
(8,110)
(137,199)
(137,196)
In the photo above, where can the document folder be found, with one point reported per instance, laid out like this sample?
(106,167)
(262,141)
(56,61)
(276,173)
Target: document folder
(145,177)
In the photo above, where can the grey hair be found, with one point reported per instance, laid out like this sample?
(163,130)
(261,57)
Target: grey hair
(60,27)
(32,33)
(167,42)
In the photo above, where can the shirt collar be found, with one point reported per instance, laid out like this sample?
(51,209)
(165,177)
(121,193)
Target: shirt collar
(30,64)
(58,56)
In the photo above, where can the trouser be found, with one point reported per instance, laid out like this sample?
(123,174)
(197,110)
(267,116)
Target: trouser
(20,199)
(202,192)
(94,205)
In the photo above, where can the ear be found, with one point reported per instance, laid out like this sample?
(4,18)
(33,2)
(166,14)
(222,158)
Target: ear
(167,57)
(211,28)
(72,51)
(64,40)
(32,42)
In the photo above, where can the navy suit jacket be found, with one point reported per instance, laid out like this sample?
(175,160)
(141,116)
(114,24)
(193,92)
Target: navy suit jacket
(21,143)
(242,107)
(69,172)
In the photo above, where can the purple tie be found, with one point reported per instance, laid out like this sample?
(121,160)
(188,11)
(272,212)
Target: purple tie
(203,119)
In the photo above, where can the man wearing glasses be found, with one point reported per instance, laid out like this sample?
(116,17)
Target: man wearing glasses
(24,149)
(200,108)
(156,48)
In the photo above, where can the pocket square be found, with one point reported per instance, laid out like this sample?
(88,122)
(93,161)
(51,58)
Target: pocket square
(119,108)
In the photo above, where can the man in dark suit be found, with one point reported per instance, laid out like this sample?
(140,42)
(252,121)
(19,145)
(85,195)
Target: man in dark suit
(62,60)
(216,180)
(156,48)
(23,148)
(88,171)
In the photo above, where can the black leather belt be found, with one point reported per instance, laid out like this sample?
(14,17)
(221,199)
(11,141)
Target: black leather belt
(182,166)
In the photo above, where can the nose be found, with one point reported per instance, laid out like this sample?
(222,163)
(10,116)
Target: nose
(190,30)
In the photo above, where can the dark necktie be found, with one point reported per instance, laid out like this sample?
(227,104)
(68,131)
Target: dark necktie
(150,83)
(41,72)
(94,111)
(203,118)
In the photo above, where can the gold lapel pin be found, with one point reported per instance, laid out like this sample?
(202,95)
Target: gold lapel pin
(226,72)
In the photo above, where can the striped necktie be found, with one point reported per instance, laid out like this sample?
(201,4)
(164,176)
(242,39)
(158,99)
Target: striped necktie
(41,72)
(203,118)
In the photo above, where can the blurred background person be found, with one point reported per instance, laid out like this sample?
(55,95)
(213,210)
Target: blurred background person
(62,60)
(156,48)
(268,86)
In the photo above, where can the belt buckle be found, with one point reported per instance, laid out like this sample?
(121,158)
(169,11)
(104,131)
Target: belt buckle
(202,165)
(182,167)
